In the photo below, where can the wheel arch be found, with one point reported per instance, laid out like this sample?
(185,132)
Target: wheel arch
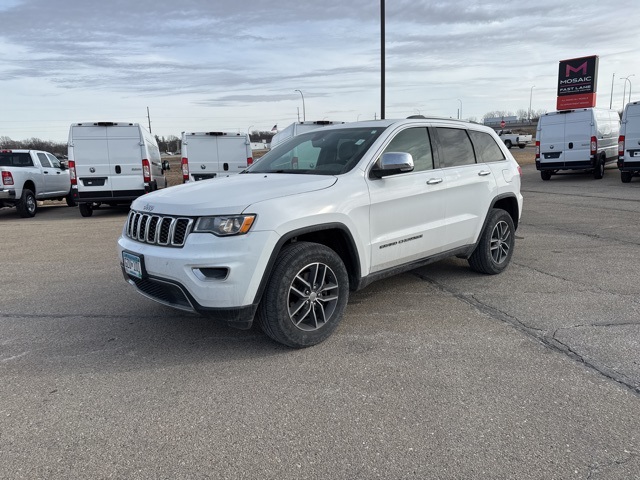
(509,203)
(333,235)
(30,185)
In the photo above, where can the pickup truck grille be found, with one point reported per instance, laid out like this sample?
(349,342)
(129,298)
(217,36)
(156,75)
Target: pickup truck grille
(158,229)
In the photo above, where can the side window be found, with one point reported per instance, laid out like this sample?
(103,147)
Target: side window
(486,148)
(55,163)
(455,147)
(44,161)
(416,142)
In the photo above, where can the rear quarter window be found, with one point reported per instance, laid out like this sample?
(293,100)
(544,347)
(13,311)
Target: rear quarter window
(487,150)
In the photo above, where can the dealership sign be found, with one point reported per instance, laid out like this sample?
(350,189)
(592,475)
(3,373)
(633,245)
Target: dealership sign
(577,83)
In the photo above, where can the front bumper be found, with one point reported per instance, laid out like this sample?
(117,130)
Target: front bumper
(219,277)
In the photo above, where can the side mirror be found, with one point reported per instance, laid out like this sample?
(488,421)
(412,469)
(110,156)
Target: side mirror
(392,163)
(166,165)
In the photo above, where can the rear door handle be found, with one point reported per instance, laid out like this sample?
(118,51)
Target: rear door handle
(434,181)
(484,173)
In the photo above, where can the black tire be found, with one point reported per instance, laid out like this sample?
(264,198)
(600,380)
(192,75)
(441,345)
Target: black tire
(86,209)
(28,205)
(508,144)
(495,248)
(545,175)
(71,202)
(598,171)
(297,312)
(521,146)
(626,177)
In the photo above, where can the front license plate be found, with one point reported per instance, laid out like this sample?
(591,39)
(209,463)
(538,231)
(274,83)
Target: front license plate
(132,264)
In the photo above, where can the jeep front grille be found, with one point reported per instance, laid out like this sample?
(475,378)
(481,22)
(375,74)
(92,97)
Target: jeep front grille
(158,229)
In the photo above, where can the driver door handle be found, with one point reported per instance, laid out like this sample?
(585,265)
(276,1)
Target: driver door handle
(434,181)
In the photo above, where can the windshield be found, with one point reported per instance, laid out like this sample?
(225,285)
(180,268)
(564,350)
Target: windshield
(320,152)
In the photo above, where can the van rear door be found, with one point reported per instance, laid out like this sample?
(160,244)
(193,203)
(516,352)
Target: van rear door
(91,156)
(125,145)
(233,152)
(577,132)
(552,140)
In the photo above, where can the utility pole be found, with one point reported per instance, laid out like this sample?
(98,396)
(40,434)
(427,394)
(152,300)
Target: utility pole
(149,118)
(613,77)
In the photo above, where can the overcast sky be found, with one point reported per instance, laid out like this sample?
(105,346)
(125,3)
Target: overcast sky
(202,65)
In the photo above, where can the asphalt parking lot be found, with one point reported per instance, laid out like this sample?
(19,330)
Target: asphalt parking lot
(438,373)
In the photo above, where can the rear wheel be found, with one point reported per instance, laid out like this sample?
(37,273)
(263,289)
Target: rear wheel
(495,248)
(508,144)
(598,171)
(27,205)
(86,209)
(545,175)
(71,202)
(522,146)
(306,295)
(625,177)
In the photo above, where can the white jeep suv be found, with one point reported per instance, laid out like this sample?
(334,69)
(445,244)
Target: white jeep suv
(324,213)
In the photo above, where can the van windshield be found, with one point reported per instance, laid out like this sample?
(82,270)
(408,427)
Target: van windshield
(320,152)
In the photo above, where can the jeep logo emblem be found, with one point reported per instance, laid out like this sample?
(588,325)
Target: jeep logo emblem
(148,208)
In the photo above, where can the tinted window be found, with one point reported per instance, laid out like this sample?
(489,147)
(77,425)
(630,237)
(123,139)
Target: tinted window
(416,142)
(11,159)
(455,147)
(487,150)
(44,161)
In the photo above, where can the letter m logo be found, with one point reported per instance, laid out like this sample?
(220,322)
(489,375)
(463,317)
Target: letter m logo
(582,68)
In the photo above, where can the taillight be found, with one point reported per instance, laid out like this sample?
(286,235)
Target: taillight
(621,146)
(249,161)
(72,172)
(594,145)
(537,150)
(146,170)
(7,178)
(185,169)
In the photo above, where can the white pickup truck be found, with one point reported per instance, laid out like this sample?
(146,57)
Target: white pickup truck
(511,139)
(29,176)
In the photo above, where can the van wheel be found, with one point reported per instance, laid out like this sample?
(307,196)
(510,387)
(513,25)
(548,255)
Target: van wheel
(86,209)
(508,144)
(27,205)
(71,202)
(306,295)
(545,175)
(598,172)
(625,177)
(495,247)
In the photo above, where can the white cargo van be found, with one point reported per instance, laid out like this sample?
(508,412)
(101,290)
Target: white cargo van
(113,163)
(207,155)
(582,139)
(629,142)
(297,128)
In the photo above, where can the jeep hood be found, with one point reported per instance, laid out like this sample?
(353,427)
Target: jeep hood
(228,195)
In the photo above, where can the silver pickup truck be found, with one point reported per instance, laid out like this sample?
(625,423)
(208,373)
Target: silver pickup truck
(29,176)
(512,139)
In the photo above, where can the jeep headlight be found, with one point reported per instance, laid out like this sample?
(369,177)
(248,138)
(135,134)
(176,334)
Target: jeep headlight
(225,225)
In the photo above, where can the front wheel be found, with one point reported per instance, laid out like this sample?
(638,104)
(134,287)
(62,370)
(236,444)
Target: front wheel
(625,177)
(86,209)
(495,247)
(306,295)
(28,204)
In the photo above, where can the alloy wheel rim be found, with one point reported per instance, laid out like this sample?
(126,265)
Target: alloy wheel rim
(31,204)
(313,297)
(500,242)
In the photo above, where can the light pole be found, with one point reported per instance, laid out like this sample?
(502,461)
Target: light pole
(613,77)
(460,111)
(304,116)
(624,93)
(530,98)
